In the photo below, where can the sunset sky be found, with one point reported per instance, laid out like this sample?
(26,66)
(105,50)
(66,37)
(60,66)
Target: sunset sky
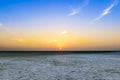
(59,25)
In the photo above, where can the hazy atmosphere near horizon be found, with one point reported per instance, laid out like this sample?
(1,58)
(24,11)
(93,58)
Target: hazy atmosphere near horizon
(59,25)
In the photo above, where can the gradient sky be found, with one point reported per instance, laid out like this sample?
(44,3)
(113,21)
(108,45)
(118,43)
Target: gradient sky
(59,25)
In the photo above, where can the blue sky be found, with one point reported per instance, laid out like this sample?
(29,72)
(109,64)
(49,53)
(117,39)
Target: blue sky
(24,10)
(91,18)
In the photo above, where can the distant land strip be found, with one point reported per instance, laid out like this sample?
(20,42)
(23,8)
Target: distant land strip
(56,52)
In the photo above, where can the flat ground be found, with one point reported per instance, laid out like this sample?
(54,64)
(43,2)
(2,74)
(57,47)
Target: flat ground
(61,67)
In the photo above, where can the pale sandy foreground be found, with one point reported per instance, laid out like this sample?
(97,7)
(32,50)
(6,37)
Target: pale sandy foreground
(61,67)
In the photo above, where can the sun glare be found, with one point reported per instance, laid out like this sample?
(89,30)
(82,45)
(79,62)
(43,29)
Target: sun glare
(60,48)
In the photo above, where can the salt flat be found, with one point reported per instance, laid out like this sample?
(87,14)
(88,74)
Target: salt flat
(61,67)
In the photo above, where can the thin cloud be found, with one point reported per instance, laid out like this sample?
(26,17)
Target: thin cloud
(75,11)
(2,27)
(64,32)
(106,11)
(1,24)
(18,39)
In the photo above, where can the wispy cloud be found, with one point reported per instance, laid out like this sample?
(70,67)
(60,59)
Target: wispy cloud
(18,39)
(106,11)
(2,27)
(75,11)
(1,24)
(64,32)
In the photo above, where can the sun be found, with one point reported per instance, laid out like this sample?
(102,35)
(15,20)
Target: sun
(60,48)
(59,41)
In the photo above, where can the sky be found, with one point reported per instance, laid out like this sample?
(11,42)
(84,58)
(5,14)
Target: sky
(69,25)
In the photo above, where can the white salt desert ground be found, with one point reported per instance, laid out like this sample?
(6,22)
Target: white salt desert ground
(96,66)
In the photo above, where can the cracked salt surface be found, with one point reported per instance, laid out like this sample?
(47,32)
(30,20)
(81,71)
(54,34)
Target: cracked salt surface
(61,67)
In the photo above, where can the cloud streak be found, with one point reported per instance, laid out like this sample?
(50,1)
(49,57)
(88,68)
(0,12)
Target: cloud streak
(3,27)
(0,24)
(75,11)
(64,32)
(106,11)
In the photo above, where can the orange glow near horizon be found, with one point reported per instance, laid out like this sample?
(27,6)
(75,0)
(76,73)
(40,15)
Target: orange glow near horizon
(54,41)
